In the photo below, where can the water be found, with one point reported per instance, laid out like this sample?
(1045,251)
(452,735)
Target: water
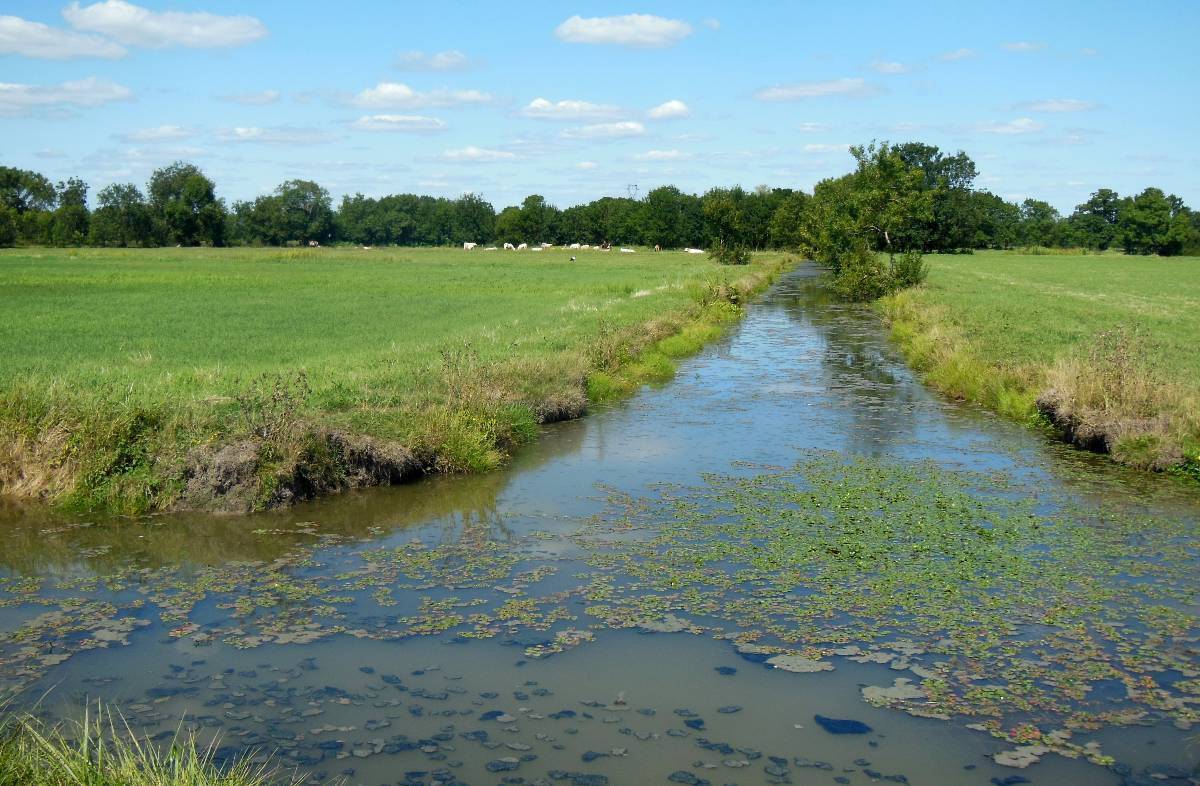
(298,630)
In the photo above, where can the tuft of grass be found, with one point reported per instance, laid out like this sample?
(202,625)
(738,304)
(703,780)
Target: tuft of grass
(102,750)
(1101,347)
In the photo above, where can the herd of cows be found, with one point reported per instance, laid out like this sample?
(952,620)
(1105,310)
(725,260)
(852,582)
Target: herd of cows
(573,247)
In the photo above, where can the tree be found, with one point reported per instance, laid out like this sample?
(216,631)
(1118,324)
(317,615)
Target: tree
(788,220)
(1094,223)
(475,220)
(184,206)
(1155,223)
(70,224)
(1039,223)
(668,217)
(24,190)
(304,211)
(537,219)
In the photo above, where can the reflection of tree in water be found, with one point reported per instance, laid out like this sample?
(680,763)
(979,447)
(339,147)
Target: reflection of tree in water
(860,372)
(39,540)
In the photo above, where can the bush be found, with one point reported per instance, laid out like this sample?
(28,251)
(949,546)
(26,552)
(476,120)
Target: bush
(862,275)
(908,269)
(730,254)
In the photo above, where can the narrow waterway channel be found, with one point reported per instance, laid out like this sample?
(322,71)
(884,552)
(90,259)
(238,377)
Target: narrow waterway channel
(527,624)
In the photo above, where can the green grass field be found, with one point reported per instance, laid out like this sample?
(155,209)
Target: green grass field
(453,354)
(1003,328)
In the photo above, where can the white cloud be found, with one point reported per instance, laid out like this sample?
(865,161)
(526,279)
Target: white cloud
(1022,125)
(449,60)
(711,23)
(957,54)
(50,152)
(477,154)
(544,109)
(663,155)
(812,128)
(410,123)
(166,133)
(18,98)
(641,31)
(824,148)
(389,95)
(1023,46)
(261,98)
(890,68)
(137,26)
(801,90)
(276,135)
(586,165)
(624,128)
(669,110)
(33,39)
(1058,105)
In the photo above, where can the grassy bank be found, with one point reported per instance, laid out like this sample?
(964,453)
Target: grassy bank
(102,751)
(138,380)
(1101,347)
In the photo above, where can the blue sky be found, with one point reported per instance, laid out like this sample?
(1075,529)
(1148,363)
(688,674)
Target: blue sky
(1051,99)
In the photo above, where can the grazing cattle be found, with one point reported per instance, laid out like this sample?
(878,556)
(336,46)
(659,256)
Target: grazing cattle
(522,246)
(313,244)
(628,251)
(509,247)
(537,248)
(585,246)
(546,245)
(469,246)
(657,247)
(693,251)
(490,248)
(575,245)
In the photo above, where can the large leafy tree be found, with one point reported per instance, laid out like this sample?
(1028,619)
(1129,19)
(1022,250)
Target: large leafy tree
(122,217)
(185,207)
(70,223)
(23,190)
(1094,223)
(1155,223)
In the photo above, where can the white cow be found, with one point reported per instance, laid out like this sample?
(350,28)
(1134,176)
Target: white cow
(522,246)
(490,248)
(469,246)
(546,245)
(537,248)
(694,250)
(509,247)
(574,245)
(628,251)
(585,246)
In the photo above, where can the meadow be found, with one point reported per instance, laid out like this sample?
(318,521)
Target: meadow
(136,379)
(1103,346)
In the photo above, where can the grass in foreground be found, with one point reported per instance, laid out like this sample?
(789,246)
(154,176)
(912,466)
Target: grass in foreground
(1103,346)
(137,380)
(98,751)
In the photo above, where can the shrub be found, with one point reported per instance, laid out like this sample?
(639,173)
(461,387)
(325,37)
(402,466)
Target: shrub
(730,254)
(908,269)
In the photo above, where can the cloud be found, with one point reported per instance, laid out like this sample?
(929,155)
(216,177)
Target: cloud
(1058,105)
(890,68)
(397,95)
(157,134)
(275,135)
(1022,125)
(638,31)
(812,128)
(663,155)
(711,23)
(957,54)
(16,99)
(409,123)
(449,60)
(586,165)
(50,152)
(477,154)
(1023,46)
(543,109)
(33,39)
(624,128)
(137,26)
(834,87)
(261,98)
(825,148)
(669,110)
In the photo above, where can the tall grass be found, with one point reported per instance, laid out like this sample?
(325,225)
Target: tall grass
(1102,348)
(101,750)
(140,380)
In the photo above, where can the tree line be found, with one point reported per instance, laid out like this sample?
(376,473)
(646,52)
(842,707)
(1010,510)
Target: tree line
(903,199)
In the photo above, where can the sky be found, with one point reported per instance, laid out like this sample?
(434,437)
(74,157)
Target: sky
(576,101)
